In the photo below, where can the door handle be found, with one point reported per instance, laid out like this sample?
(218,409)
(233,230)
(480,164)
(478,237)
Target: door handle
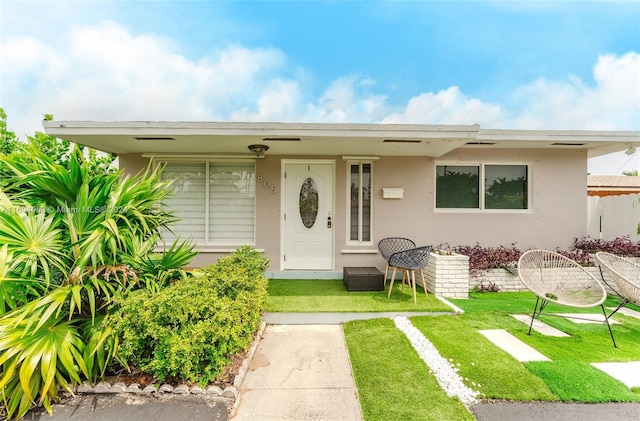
(329,222)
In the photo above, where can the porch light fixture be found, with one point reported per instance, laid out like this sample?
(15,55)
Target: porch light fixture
(258,150)
(630,151)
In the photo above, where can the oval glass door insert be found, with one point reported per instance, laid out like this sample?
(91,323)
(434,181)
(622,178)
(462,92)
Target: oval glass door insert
(308,202)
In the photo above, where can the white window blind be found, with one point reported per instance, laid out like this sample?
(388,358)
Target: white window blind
(214,202)
(231,202)
(188,200)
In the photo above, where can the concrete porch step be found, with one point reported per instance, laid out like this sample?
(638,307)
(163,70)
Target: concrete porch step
(304,274)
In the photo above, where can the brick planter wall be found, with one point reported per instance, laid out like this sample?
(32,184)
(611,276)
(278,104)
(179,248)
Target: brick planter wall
(502,278)
(448,275)
(508,282)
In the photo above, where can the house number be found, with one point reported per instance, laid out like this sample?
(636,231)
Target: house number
(266,184)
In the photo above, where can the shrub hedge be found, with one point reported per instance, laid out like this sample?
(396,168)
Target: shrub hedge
(191,329)
(485,258)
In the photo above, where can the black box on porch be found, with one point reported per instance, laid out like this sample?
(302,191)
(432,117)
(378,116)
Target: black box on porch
(363,279)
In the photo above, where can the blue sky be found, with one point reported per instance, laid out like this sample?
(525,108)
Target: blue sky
(501,64)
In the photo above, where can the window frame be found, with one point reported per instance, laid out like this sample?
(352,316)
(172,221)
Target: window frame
(208,243)
(359,241)
(481,188)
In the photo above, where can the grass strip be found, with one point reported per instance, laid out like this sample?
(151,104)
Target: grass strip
(588,342)
(518,303)
(568,375)
(393,382)
(330,295)
(483,366)
(574,381)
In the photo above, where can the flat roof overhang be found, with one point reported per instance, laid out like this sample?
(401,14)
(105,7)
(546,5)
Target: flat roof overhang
(166,137)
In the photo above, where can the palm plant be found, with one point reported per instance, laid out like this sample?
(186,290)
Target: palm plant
(158,269)
(14,290)
(70,242)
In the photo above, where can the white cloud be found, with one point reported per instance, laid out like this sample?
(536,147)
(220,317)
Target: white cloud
(279,101)
(448,106)
(105,72)
(349,100)
(613,103)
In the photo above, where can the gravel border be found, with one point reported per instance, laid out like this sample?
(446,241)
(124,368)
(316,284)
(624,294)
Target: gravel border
(446,374)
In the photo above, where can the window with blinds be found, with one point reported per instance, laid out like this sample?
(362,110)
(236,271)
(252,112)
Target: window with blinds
(359,202)
(214,201)
(231,202)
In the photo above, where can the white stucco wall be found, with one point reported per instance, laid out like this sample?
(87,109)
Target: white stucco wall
(558,200)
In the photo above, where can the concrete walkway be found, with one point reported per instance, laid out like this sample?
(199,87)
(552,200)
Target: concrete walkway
(302,372)
(299,372)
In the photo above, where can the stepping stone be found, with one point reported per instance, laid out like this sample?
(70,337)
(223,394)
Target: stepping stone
(513,346)
(586,318)
(627,312)
(628,373)
(541,327)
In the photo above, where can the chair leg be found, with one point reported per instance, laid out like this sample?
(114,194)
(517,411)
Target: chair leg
(413,285)
(393,276)
(622,304)
(404,273)
(386,274)
(606,319)
(533,316)
(424,284)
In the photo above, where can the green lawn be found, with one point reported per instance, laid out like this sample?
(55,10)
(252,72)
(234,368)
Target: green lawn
(574,381)
(588,343)
(489,370)
(322,295)
(393,382)
(396,368)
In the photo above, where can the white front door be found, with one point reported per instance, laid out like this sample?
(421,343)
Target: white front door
(308,217)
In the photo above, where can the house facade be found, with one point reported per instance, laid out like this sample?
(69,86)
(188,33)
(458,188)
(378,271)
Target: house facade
(318,197)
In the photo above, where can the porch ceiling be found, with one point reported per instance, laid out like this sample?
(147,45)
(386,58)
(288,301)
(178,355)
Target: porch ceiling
(322,138)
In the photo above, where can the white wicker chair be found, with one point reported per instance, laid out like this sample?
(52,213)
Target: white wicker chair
(625,274)
(557,279)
